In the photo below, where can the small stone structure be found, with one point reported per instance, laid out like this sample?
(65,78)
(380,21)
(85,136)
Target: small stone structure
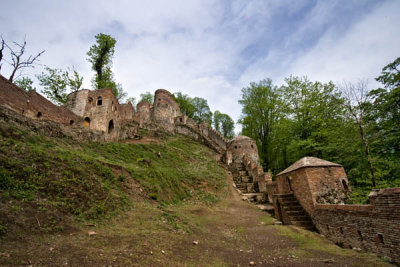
(239,146)
(165,109)
(101,110)
(312,180)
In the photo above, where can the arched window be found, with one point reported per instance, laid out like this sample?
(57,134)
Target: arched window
(86,122)
(110,126)
(99,101)
(39,114)
(71,122)
(90,99)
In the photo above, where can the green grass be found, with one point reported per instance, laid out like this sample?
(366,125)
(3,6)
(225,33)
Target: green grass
(82,179)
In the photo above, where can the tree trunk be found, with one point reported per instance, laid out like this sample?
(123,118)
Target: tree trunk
(366,147)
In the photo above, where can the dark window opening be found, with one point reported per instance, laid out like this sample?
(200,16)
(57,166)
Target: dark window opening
(252,146)
(289,183)
(345,186)
(180,119)
(71,122)
(235,147)
(90,99)
(39,114)
(380,238)
(110,126)
(86,122)
(159,99)
(99,101)
(341,230)
(360,235)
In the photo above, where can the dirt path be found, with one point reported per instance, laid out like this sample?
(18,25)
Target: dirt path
(229,233)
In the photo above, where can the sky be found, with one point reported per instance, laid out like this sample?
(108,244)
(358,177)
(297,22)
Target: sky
(208,48)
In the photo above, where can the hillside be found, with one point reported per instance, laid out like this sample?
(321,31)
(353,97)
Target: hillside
(57,181)
(138,202)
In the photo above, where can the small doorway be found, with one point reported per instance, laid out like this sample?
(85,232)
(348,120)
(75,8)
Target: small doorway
(86,122)
(110,126)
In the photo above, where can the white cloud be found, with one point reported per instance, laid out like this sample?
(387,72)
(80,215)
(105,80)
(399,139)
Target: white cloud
(358,53)
(197,47)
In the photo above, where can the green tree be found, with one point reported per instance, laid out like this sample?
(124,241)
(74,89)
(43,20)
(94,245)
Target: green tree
(100,56)
(217,120)
(312,107)
(260,114)
(358,107)
(384,123)
(58,83)
(147,97)
(185,104)
(25,83)
(224,124)
(202,112)
(227,126)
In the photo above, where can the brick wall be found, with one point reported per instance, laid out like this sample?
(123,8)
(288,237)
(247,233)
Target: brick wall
(33,105)
(374,228)
(296,182)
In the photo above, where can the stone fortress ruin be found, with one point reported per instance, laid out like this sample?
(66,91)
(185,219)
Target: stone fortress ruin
(310,194)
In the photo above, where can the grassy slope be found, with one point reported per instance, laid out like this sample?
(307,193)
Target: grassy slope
(52,182)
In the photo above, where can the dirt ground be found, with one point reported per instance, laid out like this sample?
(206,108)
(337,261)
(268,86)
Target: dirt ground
(229,233)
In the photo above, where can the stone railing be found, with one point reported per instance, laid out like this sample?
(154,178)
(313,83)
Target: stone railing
(186,126)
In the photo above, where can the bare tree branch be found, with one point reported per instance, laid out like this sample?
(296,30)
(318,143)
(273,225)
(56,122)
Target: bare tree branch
(17,61)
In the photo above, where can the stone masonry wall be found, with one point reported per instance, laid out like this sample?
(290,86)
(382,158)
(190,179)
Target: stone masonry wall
(33,105)
(242,145)
(374,228)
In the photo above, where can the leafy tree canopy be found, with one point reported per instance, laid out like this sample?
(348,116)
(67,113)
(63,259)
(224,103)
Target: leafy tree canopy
(147,97)
(58,83)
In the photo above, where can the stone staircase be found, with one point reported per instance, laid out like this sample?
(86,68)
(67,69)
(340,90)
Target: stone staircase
(295,212)
(243,181)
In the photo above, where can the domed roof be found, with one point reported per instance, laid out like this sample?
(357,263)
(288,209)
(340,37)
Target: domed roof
(309,162)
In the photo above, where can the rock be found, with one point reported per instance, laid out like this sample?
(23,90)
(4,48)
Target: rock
(195,242)
(90,233)
(357,249)
(278,223)
(162,251)
(252,263)
(244,198)
(328,261)
(51,249)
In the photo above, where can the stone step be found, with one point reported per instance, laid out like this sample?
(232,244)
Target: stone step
(293,208)
(299,218)
(295,213)
(303,223)
(290,202)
